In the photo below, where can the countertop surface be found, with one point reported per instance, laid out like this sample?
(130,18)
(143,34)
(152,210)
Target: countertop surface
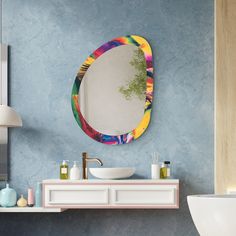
(120,181)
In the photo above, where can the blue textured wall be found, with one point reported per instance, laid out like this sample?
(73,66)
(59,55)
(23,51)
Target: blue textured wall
(49,41)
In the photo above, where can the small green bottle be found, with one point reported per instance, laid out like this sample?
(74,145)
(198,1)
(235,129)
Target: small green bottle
(165,170)
(64,170)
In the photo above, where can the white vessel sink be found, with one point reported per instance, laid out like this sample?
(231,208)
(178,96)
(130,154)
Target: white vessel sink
(214,215)
(112,173)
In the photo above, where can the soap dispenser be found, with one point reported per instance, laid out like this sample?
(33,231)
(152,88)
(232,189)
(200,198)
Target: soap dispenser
(64,171)
(75,172)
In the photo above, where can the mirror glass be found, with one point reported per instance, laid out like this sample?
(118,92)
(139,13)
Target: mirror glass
(113,91)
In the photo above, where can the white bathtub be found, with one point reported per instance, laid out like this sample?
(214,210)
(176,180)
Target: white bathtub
(214,215)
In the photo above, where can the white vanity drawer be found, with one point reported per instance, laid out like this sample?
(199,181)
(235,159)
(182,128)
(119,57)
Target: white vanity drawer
(159,195)
(113,194)
(74,195)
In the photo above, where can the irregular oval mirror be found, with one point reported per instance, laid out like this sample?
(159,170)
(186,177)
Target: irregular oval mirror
(113,90)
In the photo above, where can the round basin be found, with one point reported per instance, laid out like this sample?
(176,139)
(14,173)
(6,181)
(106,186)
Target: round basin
(112,173)
(213,215)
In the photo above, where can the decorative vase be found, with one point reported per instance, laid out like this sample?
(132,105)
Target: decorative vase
(8,197)
(30,197)
(22,202)
(38,195)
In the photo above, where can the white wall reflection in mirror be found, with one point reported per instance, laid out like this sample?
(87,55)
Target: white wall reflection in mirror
(112,92)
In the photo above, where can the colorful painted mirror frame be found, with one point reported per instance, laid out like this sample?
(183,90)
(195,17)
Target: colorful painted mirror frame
(139,130)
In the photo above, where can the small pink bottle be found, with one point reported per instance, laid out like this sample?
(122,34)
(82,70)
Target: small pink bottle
(30,197)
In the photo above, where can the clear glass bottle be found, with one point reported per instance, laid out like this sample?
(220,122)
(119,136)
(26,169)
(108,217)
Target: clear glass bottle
(165,170)
(168,174)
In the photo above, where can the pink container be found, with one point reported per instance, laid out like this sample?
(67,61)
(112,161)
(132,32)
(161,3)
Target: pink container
(30,197)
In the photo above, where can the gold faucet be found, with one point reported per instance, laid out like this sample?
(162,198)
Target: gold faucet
(86,159)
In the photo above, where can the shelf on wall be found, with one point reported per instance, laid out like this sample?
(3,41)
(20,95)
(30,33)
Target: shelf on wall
(31,209)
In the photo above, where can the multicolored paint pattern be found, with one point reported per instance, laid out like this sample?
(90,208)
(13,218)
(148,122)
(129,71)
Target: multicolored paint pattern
(139,130)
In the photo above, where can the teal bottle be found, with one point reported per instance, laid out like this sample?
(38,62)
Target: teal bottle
(38,195)
(8,197)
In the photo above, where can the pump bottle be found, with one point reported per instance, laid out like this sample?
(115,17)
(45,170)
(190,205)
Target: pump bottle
(64,171)
(74,172)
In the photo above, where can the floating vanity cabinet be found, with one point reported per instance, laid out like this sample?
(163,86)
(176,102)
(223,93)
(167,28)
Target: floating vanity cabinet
(68,194)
